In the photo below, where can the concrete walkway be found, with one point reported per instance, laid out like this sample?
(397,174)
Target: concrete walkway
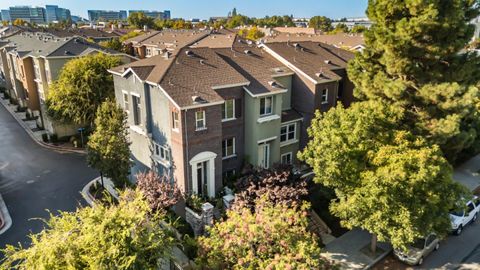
(468,174)
(351,250)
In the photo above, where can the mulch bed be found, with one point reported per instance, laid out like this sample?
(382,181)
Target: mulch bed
(99,193)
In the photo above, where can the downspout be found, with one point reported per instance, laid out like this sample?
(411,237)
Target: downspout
(186,149)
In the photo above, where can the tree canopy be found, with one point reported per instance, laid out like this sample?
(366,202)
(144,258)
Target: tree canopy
(112,236)
(139,20)
(321,23)
(82,85)
(272,237)
(387,181)
(413,60)
(252,34)
(114,44)
(159,192)
(108,147)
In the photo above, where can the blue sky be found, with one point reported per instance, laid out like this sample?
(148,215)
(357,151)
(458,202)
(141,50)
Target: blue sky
(207,8)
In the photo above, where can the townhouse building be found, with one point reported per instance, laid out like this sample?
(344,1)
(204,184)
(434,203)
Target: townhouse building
(158,42)
(33,60)
(198,116)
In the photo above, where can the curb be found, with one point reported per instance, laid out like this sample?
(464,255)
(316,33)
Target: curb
(32,136)
(4,216)
(108,186)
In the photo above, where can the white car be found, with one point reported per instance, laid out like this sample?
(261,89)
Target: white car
(462,216)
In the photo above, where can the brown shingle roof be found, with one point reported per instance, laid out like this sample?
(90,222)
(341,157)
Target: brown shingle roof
(197,74)
(221,39)
(157,66)
(255,65)
(174,39)
(315,59)
(340,40)
(290,115)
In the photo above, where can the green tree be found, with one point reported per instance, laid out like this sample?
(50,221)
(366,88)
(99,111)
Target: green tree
(108,147)
(321,23)
(387,181)
(122,236)
(130,35)
(357,29)
(83,84)
(139,20)
(234,12)
(114,44)
(252,34)
(236,21)
(413,60)
(340,28)
(271,237)
(20,22)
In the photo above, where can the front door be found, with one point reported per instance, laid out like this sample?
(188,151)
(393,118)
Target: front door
(202,178)
(264,155)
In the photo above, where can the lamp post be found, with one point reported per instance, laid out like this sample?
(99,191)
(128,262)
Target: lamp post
(81,130)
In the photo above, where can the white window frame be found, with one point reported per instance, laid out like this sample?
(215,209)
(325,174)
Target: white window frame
(161,153)
(148,51)
(325,96)
(225,117)
(126,104)
(265,113)
(285,155)
(234,149)
(200,120)
(176,122)
(137,109)
(288,132)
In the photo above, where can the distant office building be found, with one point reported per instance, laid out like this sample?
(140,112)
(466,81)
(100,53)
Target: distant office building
(167,15)
(29,14)
(56,14)
(106,15)
(148,13)
(5,15)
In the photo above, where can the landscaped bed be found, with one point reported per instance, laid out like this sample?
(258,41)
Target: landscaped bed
(99,193)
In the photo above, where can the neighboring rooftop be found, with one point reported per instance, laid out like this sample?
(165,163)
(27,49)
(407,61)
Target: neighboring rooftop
(341,40)
(169,39)
(317,60)
(218,39)
(295,30)
(259,67)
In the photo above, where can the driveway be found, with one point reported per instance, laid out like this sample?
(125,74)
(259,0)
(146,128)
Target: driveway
(34,179)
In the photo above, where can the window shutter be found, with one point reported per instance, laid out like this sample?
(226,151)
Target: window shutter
(238,107)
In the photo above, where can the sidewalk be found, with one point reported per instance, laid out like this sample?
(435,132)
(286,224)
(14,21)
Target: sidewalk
(30,127)
(352,250)
(468,174)
(5,219)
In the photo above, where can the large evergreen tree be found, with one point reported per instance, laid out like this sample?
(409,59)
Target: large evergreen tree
(413,60)
(120,236)
(83,84)
(387,181)
(108,147)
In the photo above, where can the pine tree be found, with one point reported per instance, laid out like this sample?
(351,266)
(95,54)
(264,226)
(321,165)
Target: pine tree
(412,60)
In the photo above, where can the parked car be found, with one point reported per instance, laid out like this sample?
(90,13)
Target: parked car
(416,253)
(462,216)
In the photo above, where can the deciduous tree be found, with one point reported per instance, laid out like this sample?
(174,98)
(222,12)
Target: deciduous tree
(272,237)
(413,60)
(321,23)
(159,192)
(117,236)
(83,84)
(139,20)
(387,181)
(108,147)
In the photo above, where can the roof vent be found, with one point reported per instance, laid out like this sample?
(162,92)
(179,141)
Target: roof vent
(296,45)
(321,75)
(189,53)
(67,52)
(197,99)
(248,52)
(202,62)
(278,70)
(328,62)
(274,84)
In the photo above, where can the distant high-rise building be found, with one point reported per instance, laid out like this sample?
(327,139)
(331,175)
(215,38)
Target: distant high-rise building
(166,15)
(5,15)
(107,15)
(29,14)
(54,13)
(148,13)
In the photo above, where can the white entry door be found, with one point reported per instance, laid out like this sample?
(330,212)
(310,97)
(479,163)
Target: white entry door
(264,155)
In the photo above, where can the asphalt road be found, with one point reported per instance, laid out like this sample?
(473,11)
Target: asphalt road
(34,179)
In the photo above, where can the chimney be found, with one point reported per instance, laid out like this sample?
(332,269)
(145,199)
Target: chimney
(145,28)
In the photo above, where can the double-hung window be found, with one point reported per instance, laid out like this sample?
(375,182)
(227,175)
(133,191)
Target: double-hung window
(200,122)
(228,110)
(324,96)
(287,132)
(126,105)
(266,106)
(175,120)
(228,148)
(286,158)
(137,116)
(162,153)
